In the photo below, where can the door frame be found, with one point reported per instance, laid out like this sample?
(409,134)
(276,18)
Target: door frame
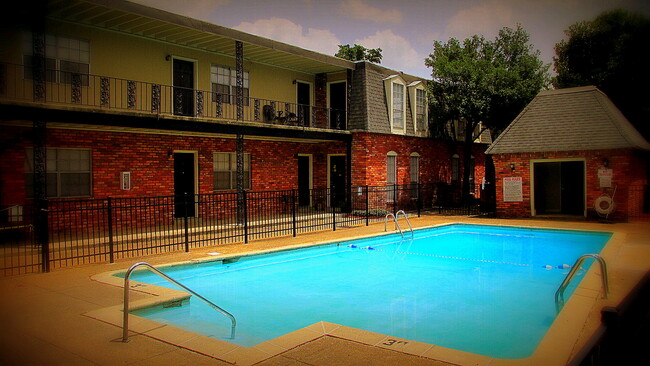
(329,178)
(195,82)
(195,154)
(311,175)
(532,163)
(329,98)
(311,97)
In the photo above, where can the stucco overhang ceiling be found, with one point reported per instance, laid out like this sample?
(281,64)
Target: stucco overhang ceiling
(142,21)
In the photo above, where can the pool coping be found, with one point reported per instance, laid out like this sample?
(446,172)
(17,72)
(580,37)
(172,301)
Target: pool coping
(554,349)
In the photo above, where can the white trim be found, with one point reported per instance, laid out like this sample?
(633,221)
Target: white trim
(311,175)
(195,69)
(389,83)
(412,91)
(531,167)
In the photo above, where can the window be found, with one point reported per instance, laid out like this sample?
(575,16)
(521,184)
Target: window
(225,171)
(420,109)
(415,174)
(398,106)
(68,173)
(391,174)
(224,82)
(65,59)
(455,168)
(395,92)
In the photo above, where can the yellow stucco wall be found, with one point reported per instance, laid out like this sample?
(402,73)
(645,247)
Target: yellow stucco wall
(136,58)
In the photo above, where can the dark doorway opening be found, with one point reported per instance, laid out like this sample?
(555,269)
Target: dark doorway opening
(559,188)
(183,87)
(337,181)
(338,106)
(304,102)
(304,173)
(184,185)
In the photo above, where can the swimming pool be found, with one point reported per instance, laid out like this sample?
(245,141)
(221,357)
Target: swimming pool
(481,289)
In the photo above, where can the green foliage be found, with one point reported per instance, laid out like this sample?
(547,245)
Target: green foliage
(359,53)
(609,52)
(483,81)
(479,80)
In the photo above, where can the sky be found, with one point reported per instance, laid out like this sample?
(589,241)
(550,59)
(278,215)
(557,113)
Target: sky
(404,29)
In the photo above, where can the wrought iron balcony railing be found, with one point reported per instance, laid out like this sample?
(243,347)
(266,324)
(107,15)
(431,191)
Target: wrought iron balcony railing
(20,83)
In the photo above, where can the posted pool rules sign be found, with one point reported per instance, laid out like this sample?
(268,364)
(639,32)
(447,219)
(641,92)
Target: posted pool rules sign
(512,189)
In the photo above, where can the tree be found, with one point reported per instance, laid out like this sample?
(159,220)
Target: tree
(611,53)
(359,53)
(483,82)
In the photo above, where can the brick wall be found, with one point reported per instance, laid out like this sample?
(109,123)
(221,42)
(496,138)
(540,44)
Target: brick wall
(628,166)
(369,158)
(149,158)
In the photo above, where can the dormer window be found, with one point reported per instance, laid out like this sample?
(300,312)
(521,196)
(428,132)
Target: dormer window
(418,99)
(398,106)
(395,89)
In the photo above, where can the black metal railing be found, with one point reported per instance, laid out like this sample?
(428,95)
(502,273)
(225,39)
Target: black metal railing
(105,230)
(117,94)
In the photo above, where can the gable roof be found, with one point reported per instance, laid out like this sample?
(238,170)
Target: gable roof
(581,118)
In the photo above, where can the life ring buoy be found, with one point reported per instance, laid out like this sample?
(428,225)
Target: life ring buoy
(604,205)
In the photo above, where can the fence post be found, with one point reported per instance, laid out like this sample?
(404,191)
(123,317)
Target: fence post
(332,202)
(419,201)
(187,234)
(367,206)
(244,208)
(395,198)
(293,211)
(42,231)
(110,231)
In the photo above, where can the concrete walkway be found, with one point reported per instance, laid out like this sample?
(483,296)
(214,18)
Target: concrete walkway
(42,319)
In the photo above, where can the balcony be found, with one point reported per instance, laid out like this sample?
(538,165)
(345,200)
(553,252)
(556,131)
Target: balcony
(60,89)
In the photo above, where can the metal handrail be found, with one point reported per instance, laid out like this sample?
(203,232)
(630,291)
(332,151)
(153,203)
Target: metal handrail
(559,294)
(125,322)
(396,223)
(407,221)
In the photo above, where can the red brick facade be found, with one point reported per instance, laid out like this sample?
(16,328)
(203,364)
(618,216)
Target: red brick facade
(149,158)
(369,151)
(629,173)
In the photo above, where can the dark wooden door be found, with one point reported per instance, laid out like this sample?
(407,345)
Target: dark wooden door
(303,181)
(337,181)
(338,106)
(304,101)
(183,88)
(184,185)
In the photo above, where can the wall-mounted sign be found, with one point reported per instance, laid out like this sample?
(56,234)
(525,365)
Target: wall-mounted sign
(605,177)
(512,189)
(125,180)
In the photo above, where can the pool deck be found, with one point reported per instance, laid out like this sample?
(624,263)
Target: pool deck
(70,317)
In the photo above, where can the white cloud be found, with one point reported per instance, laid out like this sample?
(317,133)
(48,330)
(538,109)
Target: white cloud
(359,9)
(485,19)
(284,30)
(397,51)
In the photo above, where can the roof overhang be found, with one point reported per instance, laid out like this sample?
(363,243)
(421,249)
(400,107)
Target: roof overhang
(146,22)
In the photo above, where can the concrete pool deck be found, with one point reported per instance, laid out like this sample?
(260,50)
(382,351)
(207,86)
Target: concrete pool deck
(48,318)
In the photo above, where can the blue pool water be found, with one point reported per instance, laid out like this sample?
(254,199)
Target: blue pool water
(481,289)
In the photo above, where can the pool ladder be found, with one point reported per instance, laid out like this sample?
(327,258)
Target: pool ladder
(559,294)
(125,322)
(395,217)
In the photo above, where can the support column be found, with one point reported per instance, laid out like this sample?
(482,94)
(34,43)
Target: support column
(239,97)
(40,192)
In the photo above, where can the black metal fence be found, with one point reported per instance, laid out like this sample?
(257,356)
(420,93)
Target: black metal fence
(104,230)
(111,93)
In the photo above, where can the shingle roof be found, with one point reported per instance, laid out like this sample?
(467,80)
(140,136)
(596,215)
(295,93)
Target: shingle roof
(581,118)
